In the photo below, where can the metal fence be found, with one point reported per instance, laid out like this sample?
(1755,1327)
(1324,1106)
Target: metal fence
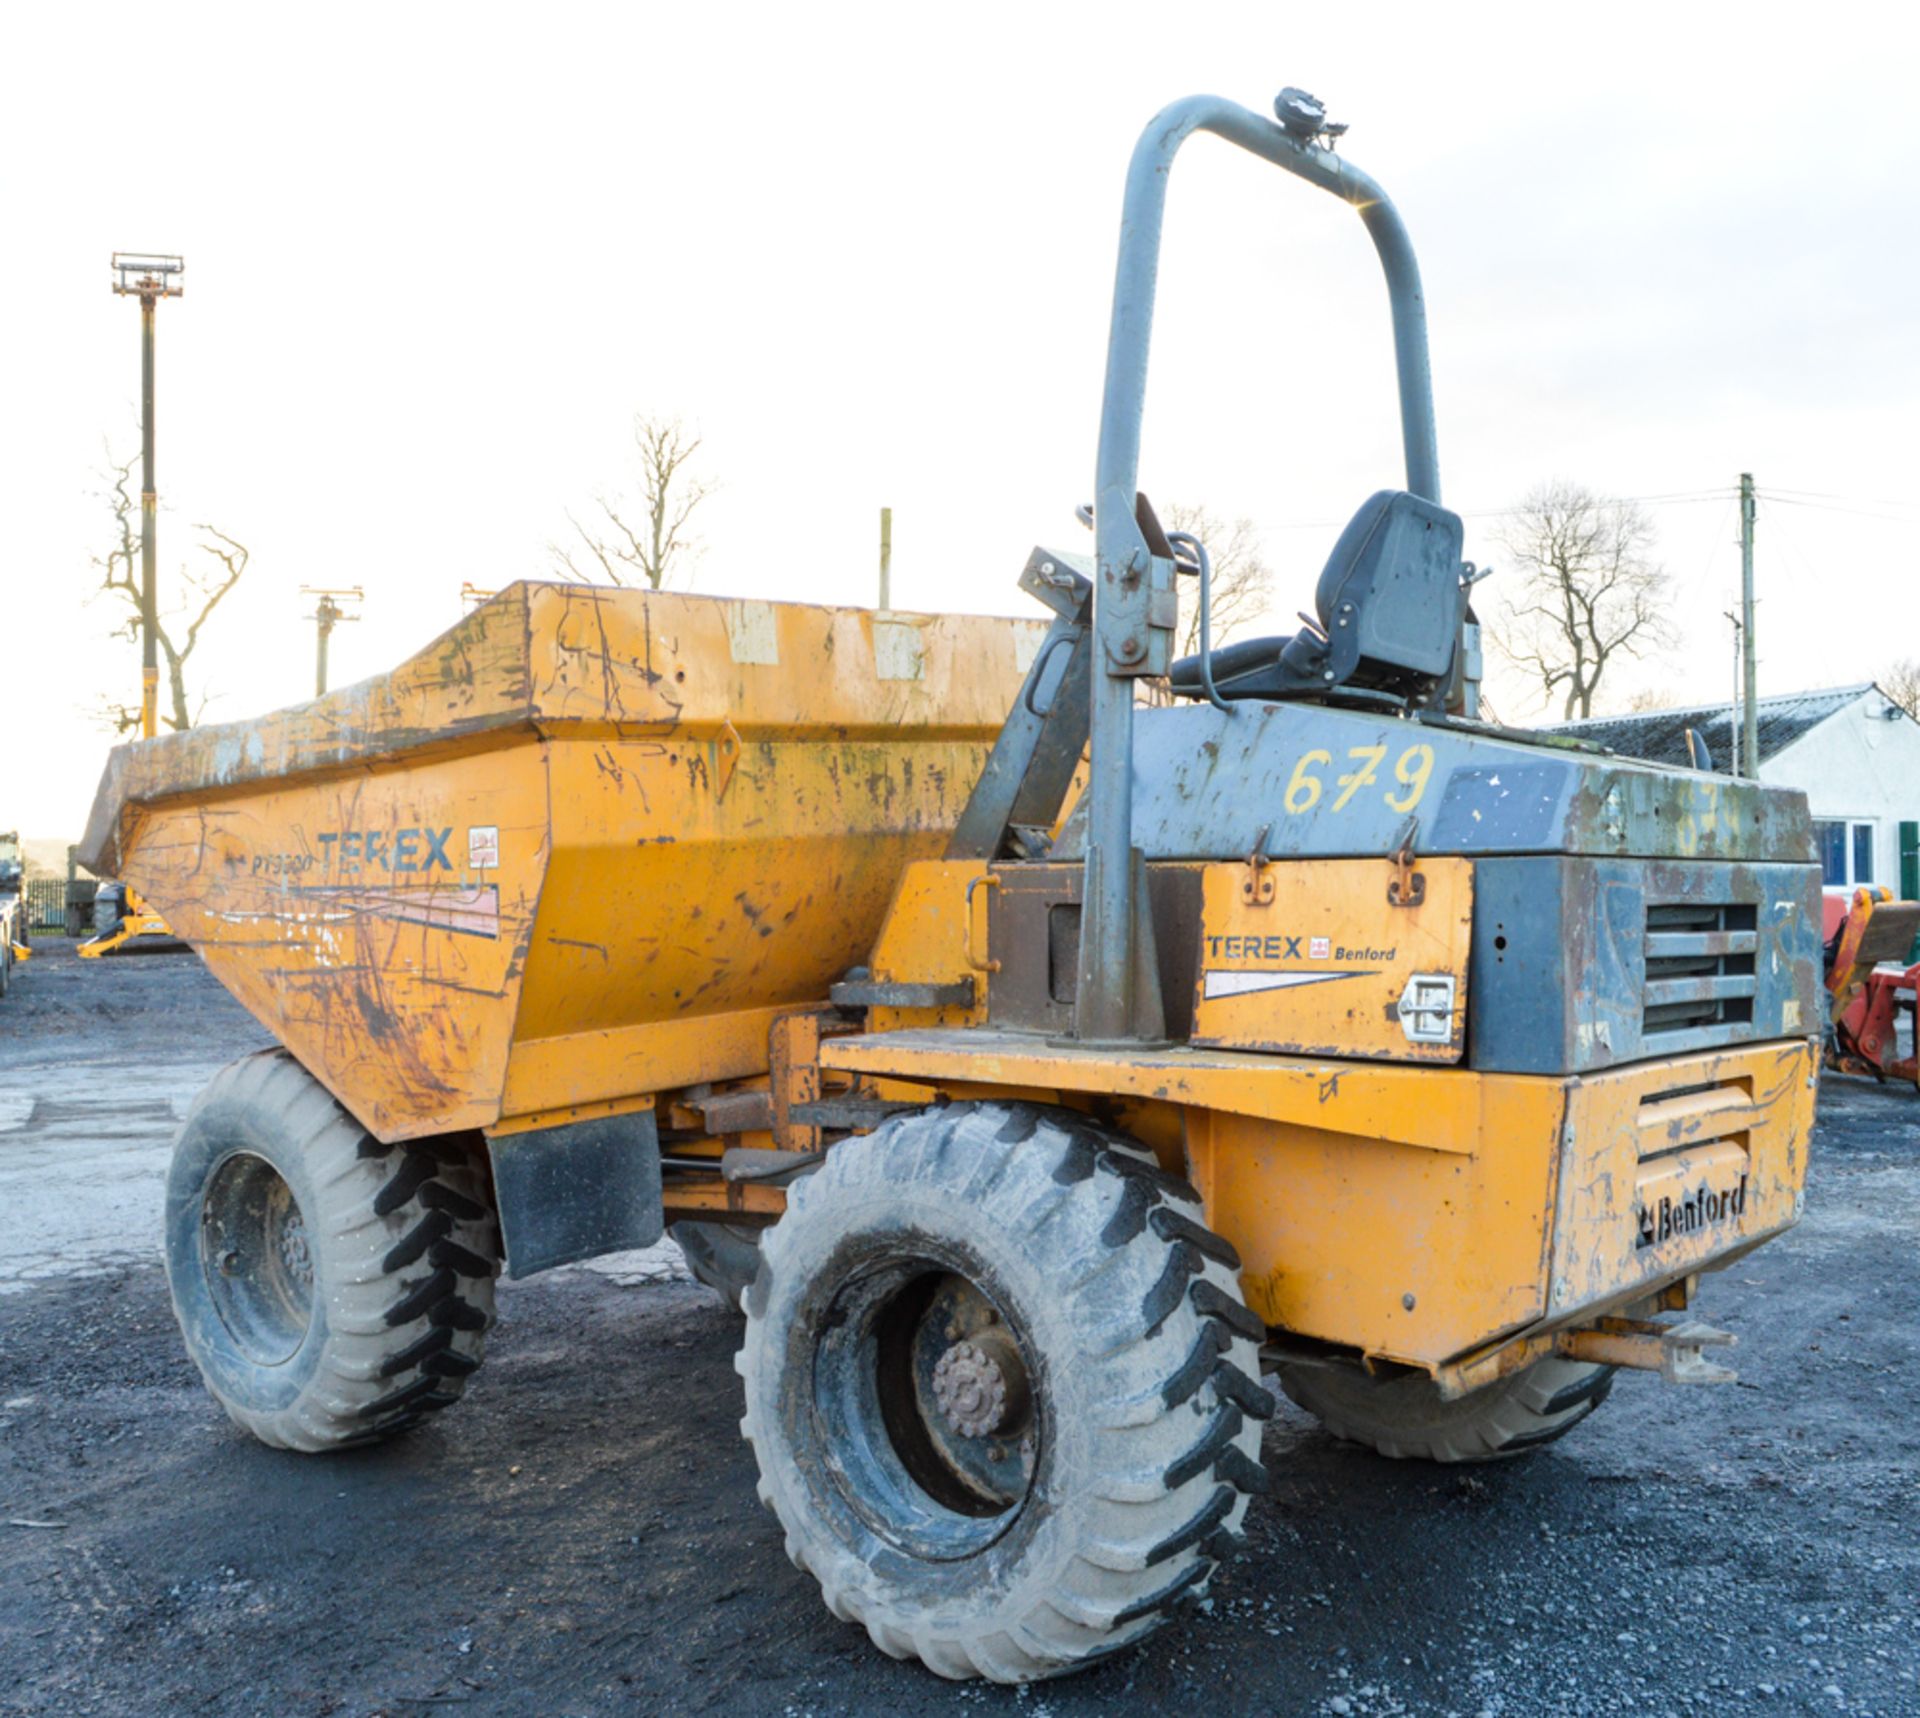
(45,904)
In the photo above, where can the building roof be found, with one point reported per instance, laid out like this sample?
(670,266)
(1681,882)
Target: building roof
(1660,736)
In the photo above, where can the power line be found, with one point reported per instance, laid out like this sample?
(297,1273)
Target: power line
(1826,507)
(1715,546)
(1851,500)
(1793,546)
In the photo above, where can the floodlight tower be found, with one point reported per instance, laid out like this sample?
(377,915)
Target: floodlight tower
(327,614)
(150,278)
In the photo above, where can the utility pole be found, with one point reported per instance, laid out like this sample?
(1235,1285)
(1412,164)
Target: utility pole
(151,278)
(886,559)
(1750,723)
(327,614)
(1733,724)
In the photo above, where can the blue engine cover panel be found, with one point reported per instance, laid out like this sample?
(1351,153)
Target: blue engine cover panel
(1579,964)
(1338,783)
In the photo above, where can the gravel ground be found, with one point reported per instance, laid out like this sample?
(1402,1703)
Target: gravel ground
(581,1536)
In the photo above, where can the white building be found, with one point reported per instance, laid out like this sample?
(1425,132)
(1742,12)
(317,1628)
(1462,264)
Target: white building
(1853,752)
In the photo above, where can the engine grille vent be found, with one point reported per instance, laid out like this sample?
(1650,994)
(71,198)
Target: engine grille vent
(1699,970)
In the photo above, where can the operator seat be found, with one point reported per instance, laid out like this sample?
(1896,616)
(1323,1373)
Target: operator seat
(1390,605)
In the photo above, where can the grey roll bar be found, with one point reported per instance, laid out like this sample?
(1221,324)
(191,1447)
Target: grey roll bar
(1112,961)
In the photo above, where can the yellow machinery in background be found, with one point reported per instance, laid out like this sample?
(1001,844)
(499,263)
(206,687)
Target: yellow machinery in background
(138,924)
(1040,1073)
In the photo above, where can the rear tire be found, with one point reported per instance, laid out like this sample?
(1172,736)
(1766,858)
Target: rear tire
(1002,1389)
(1404,1416)
(724,1256)
(331,1289)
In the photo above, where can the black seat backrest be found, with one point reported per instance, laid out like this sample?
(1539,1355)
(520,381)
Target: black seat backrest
(1390,604)
(1390,596)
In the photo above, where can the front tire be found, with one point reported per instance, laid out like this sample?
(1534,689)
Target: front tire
(331,1289)
(1404,1416)
(1002,1389)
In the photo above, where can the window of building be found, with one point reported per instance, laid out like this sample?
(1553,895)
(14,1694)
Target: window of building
(1846,851)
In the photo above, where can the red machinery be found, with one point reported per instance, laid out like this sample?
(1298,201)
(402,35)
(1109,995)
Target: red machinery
(1860,935)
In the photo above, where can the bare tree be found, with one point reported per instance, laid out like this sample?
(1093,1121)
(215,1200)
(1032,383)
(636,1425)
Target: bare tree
(1242,582)
(1901,683)
(205,585)
(1586,590)
(1648,699)
(658,543)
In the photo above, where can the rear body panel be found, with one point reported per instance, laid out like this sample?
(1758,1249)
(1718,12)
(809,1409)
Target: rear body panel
(1392,1198)
(1669,1165)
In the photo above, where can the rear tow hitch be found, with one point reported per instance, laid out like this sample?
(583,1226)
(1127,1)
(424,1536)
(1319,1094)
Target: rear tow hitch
(1675,1351)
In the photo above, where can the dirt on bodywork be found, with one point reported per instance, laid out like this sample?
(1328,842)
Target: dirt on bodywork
(581,1534)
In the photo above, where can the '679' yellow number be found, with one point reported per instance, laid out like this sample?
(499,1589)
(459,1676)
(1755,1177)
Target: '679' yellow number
(1303,787)
(1412,770)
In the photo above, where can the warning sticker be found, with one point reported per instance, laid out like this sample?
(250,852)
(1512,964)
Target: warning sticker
(483,846)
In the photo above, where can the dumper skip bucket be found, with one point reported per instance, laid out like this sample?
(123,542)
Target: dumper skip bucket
(587,844)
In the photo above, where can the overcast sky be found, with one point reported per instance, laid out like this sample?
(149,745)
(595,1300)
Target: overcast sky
(438,257)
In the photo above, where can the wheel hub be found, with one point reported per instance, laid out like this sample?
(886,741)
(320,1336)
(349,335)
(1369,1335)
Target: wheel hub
(921,1386)
(979,1384)
(257,1258)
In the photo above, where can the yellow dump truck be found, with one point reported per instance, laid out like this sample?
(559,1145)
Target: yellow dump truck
(1041,1071)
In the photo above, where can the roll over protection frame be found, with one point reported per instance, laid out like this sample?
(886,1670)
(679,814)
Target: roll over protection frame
(1113,958)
